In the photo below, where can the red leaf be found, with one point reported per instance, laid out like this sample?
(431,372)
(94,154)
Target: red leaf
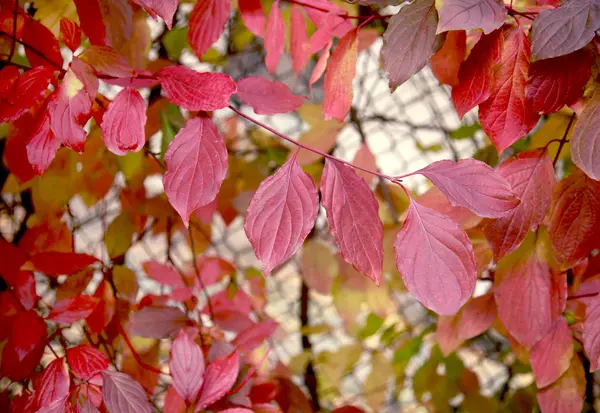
(477,316)
(560,31)
(57,263)
(274,37)
(445,63)
(585,150)
(92,24)
(236,410)
(551,356)
(267,97)
(254,336)
(505,116)
(105,310)
(86,361)
(476,74)
(165,9)
(321,65)
(70,33)
(557,82)
(186,366)
(339,77)
(325,13)
(58,406)
(409,41)
(163,273)
(348,409)
(436,260)
(530,297)
(158,322)
(70,108)
(575,218)
(43,144)
(173,402)
(219,376)
(70,310)
(253,16)
(24,347)
(299,39)
(474,185)
(107,62)
(25,290)
(124,121)
(565,395)
(13,257)
(23,92)
(122,394)
(54,384)
(591,332)
(487,15)
(207,22)
(196,162)
(531,176)
(41,39)
(195,91)
(281,214)
(353,216)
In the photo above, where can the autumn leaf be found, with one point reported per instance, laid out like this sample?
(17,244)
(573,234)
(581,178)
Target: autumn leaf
(339,77)
(207,22)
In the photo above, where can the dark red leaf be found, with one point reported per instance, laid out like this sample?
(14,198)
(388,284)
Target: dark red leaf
(557,82)
(24,92)
(105,310)
(219,376)
(57,263)
(13,258)
(70,310)
(186,366)
(193,90)
(122,394)
(353,216)
(86,361)
(267,97)
(124,121)
(24,347)
(196,162)
(207,22)
(25,289)
(92,24)
(551,356)
(54,384)
(43,144)
(281,214)
(158,322)
(43,49)
(70,33)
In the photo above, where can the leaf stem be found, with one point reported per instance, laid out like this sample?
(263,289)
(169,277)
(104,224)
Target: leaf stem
(135,354)
(563,141)
(587,295)
(345,16)
(314,150)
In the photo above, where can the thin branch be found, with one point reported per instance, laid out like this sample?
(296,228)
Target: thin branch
(135,354)
(578,296)
(199,278)
(563,141)
(345,16)
(308,148)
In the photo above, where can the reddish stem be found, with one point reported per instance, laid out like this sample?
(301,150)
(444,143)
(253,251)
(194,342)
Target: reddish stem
(135,354)
(314,150)
(586,295)
(345,16)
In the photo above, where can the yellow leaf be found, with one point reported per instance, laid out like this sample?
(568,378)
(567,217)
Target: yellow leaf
(125,282)
(119,235)
(375,384)
(49,13)
(554,128)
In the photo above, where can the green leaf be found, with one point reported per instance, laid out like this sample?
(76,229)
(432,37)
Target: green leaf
(465,131)
(488,155)
(175,42)
(372,326)
(119,235)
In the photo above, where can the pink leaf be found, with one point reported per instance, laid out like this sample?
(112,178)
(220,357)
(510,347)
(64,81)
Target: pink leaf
(54,384)
(219,376)
(566,395)
(339,77)
(299,39)
(591,332)
(436,260)
(165,9)
(409,41)
(254,336)
(353,216)
(551,356)
(57,406)
(267,97)
(253,16)
(326,13)
(585,150)
(487,15)
(186,366)
(122,394)
(281,214)
(365,159)
(275,37)
(158,322)
(42,145)
(207,22)
(195,91)
(531,176)
(474,185)
(124,121)
(505,116)
(86,361)
(321,65)
(163,273)
(196,162)
(70,310)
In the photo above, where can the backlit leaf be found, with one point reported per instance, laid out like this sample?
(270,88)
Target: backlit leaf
(42,145)
(585,150)
(24,347)
(339,77)
(274,37)
(70,33)
(186,366)
(193,90)
(56,263)
(487,15)
(281,214)
(86,361)
(267,97)
(54,384)
(70,310)
(551,356)
(196,162)
(436,260)
(124,121)
(299,39)
(219,376)
(474,185)
(207,22)
(254,336)
(253,16)
(409,41)
(41,39)
(365,159)
(352,213)
(122,394)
